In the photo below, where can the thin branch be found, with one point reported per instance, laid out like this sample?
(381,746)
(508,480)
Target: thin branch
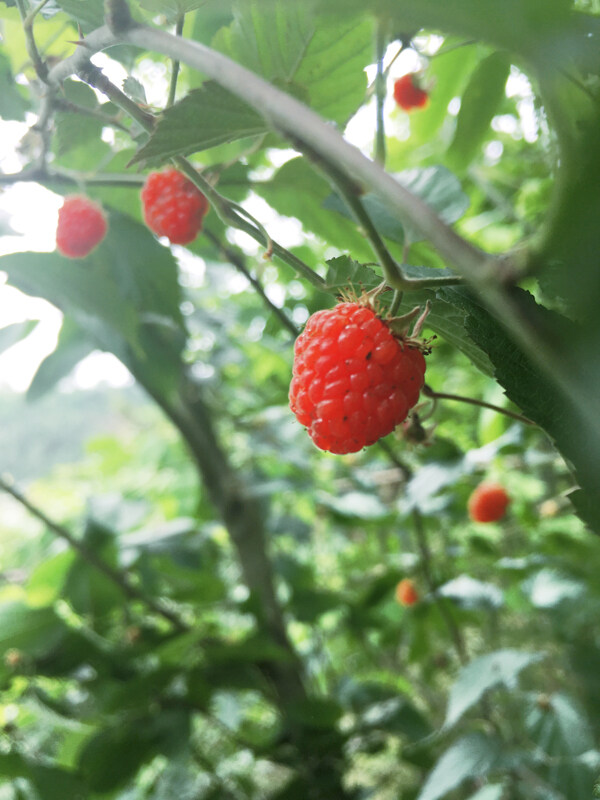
(284,113)
(96,78)
(238,262)
(27,19)
(175,65)
(429,392)
(59,176)
(426,566)
(120,579)
(380,85)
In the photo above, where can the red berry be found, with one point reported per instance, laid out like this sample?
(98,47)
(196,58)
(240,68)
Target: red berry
(406,593)
(488,502)
(173,206)
(353,381)
(81,226)
(408,94)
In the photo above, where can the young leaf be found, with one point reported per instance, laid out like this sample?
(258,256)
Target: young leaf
(501,668)
(473,756)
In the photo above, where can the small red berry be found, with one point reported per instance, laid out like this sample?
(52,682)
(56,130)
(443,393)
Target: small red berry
(406,593)
(173,206)
(488,503)
(353,381)
(408,94)
(81,226)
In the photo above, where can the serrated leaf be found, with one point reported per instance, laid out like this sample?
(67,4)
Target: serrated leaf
(206,117)
(71,348)
(501,668)
(283,45)
(473,756)
(87,13)
(532,390)
(134,89)
(13,104)
(437,186)
(15,332)
(479,103)
(470,593)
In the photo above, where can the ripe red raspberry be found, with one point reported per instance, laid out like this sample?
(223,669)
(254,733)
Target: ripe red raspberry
(173,206)
(408,94)
(353,381)
(406,593)
(488,502)
(81,226)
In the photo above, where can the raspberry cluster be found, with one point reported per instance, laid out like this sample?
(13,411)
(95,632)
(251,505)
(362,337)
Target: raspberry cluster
(353,381)
(406,592)
(488,503)
(173,206)
(81,226)
(408,94)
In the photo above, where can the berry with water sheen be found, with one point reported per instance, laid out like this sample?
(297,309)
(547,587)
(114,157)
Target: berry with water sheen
(353,380)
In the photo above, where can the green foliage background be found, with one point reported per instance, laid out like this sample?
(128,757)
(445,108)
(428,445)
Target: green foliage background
(196,602)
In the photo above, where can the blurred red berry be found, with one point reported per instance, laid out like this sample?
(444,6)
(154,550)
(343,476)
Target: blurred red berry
(81,226)
(353,380)
(408,94)
(173,206)
(488,503)
(406,593)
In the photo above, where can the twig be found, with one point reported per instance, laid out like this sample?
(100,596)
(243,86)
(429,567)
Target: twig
(429,392)
(120,579)
(238,262)
(47,175)
(380,45)
(426,562)
(39,65)
(175,65)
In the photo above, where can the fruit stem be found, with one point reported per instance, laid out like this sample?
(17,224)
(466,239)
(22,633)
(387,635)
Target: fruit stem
(175,64)
(27,19)
(429,392)
(238,262)
(426,562)
(120,579)
(380,47)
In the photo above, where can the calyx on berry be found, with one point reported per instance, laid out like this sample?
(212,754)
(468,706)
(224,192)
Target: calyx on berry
(354,379)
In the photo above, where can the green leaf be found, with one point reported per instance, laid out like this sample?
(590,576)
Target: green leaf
(396,715)
(490,792)
(501,668)
(473,756)
(563,733)
(470,593)
(172,9)
(548,588)
(479,103)
(47,579)
(206,117)
(532,391)
(87,13)
(437,186)
(15,332)
(134,89)
(33,631)
(71,348)
(13,104)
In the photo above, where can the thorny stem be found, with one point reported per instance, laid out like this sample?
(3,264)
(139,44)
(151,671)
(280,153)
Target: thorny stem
(96,78)
(426,562)
(429,392)
(175,65)
(238,262)
(121,580)
(61,176)
(39,65)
